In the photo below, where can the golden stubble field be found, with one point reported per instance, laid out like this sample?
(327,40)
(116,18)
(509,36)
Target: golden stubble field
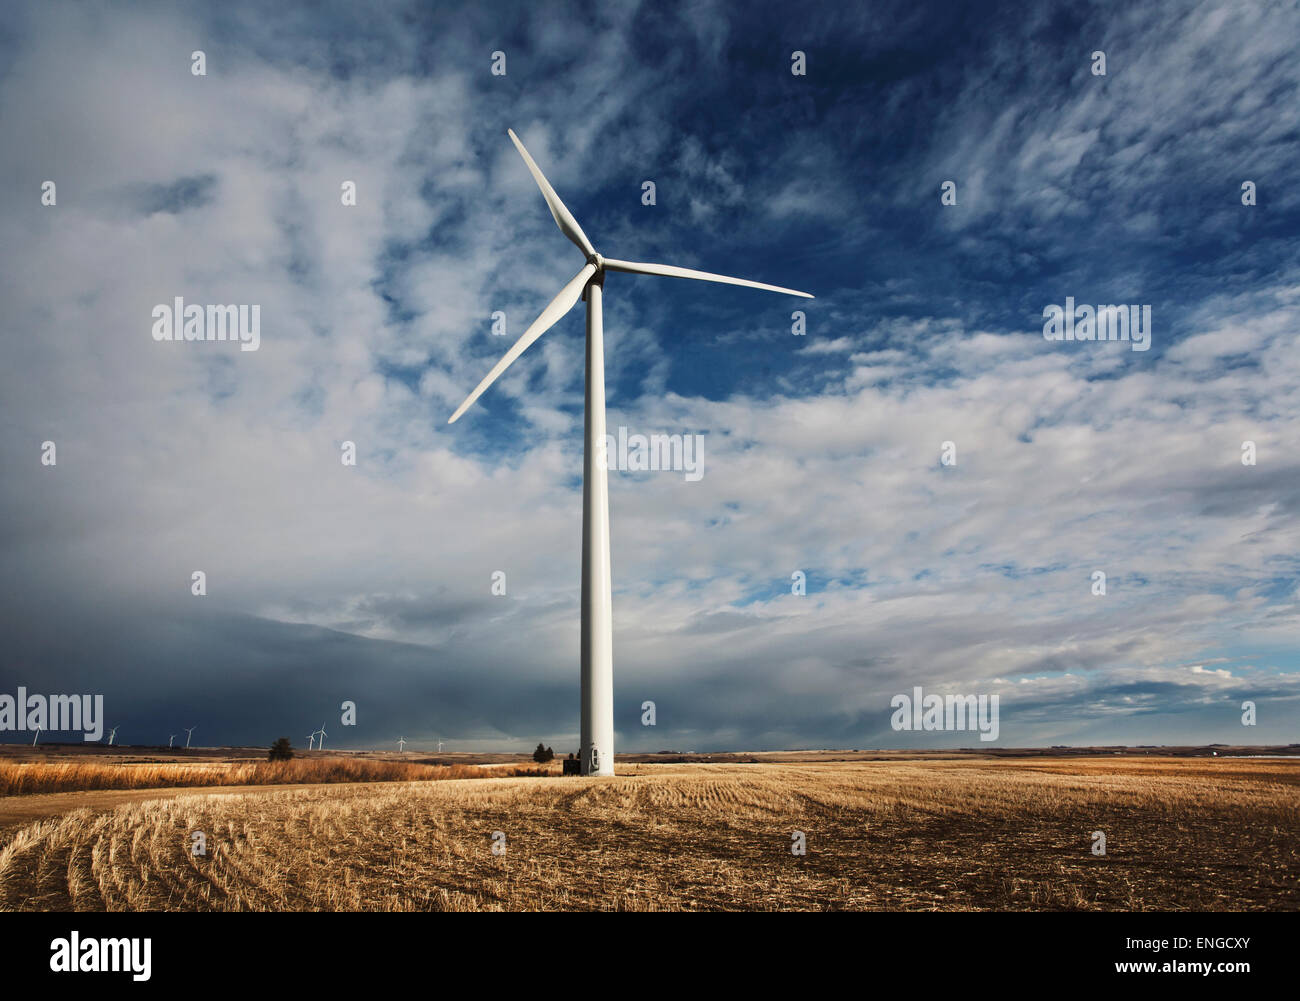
(1198,834)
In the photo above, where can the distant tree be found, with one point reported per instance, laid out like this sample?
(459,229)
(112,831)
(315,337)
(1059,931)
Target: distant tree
(542,753)
(550,755)
(280,750)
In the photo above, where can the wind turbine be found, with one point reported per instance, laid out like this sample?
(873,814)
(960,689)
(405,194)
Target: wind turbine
(311,741)
(37,737)
(401,744)
(111,734)
(189,732)
(322,734)
(597,685)
(440,747)
(170,739)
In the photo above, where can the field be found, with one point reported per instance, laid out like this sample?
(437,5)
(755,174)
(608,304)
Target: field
(1181,833)
(30,778)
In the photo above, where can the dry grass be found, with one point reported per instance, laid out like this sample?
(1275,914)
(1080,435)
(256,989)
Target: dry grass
(75,776)
(1181,834)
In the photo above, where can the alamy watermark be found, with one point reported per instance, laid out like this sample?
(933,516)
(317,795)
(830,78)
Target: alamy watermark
(75,954)
(681,453)
(946,712)
(179,322)
(1103,323)
(53,713)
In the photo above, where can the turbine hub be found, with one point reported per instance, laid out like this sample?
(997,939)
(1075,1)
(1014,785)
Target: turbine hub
(597,260)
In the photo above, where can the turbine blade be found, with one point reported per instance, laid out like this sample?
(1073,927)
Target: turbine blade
(670,271)
(559,212)
(560,305)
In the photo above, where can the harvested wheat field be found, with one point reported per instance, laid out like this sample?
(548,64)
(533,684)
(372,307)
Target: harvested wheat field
(1197,834)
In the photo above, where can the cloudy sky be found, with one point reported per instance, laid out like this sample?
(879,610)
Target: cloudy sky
(822,452)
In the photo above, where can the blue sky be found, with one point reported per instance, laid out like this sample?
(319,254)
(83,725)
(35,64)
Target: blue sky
(822,452)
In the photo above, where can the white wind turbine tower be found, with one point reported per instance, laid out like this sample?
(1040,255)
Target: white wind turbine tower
(311,738)
(597,747)
(37,737)
(401,745)
(170,739)
(440,747)
(321,733)
(111,734)
(189,732)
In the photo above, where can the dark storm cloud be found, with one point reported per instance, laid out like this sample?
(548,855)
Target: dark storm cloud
(244,681)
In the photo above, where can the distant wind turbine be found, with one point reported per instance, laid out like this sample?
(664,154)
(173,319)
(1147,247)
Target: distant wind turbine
(597,646)
(111,734)
(189,732)
(37,737)
(321,733)
(311,741)
(440,747)
(401,744)
(170,739)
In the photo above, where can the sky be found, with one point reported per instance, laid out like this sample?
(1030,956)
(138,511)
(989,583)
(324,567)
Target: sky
(824,452)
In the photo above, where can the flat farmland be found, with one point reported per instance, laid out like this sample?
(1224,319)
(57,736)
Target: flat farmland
(1005,834)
